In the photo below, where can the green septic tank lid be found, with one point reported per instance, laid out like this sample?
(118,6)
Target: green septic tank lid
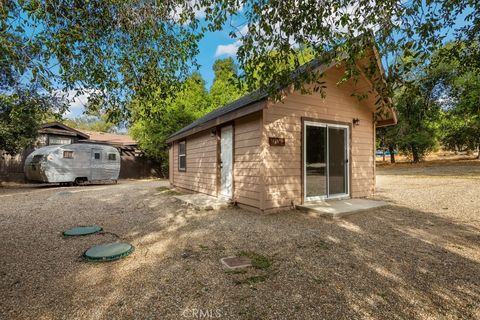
(82,231)
(108,251)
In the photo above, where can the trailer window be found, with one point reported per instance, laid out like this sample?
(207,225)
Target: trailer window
(38,158)
(112,156)
(97,156)
(68,154)
(182,156)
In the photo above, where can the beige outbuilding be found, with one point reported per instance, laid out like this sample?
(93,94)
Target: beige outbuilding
(267,156)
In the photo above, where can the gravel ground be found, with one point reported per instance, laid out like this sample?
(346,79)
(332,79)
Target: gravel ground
(417,258)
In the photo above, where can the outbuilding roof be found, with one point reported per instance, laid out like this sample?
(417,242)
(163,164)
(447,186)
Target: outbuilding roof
(88,136)
(58,128)
(235,105)
(259,95)
(109,138)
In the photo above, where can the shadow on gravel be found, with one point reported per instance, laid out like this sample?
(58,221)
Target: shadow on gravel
(392,262)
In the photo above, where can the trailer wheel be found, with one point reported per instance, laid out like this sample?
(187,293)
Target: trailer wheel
(80,181)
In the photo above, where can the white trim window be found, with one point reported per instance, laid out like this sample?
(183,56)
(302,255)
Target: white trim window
(55,140)
(182,156)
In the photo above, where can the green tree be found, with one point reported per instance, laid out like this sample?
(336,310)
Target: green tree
(226,85)
(21,113)
(121,50)
(461,123)
(387,139)
(457,90)
(416,131)
(467,93)
(154,120)
(403,31)
(114,50)
(294,60)
(93,123)
(454,131)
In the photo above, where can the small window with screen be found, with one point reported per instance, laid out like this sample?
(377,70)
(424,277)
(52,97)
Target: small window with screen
(112,156)
(68,154)
(182,156)
(97,155)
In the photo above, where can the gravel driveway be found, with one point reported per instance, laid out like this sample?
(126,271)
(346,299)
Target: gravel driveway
(417,258)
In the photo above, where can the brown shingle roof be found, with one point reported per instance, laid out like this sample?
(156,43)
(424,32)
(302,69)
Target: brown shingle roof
(110,138)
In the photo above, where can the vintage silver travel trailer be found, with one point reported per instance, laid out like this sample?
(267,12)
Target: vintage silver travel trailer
(73,164)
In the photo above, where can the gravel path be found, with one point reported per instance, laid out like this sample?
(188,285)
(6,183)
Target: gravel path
(417,258)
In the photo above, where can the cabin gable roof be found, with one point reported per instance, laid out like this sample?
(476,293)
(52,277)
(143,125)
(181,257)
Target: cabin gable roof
(256,100)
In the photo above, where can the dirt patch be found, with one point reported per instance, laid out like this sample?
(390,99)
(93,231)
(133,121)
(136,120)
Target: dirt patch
(411,260)
(166,191)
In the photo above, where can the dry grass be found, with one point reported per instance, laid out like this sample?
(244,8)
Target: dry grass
(417,258)
(440,157)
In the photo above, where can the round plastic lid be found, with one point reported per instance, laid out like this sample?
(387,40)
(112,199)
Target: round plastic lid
(82,231)
(108,252)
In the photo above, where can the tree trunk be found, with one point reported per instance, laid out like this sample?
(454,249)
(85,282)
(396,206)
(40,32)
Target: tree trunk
(392,154)
(478,156)
(416,156)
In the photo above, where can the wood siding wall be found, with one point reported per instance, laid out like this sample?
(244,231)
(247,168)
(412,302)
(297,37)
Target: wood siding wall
(247,156)
(283,173)
(201,173)
(268,178)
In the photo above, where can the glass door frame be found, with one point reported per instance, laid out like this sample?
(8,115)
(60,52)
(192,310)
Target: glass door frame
(326,125)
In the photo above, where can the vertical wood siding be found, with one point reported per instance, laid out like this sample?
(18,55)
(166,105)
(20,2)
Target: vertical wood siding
(283,177)
(201,173)
(247,154)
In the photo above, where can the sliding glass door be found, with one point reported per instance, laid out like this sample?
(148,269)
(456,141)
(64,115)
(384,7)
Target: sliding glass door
(325,160)
(315,160)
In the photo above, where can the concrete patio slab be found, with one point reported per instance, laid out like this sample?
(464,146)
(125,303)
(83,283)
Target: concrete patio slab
(340,208)
(201,201)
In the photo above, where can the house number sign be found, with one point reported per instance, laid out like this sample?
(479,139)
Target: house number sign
(276,142)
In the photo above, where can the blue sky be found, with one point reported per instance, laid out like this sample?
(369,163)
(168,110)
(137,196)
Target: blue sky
(217,45)
(214,45)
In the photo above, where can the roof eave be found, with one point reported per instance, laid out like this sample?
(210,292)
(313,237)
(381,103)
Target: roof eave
(56,123)
(241,112)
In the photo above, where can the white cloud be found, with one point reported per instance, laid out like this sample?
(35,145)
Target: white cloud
(190,5)
(227,49)
(243,30)
(200,13)
(76,101)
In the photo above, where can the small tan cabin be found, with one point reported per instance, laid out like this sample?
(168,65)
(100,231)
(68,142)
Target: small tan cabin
(268,156)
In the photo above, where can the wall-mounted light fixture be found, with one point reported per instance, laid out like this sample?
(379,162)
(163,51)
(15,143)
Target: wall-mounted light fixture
(356,121)
(213,133)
